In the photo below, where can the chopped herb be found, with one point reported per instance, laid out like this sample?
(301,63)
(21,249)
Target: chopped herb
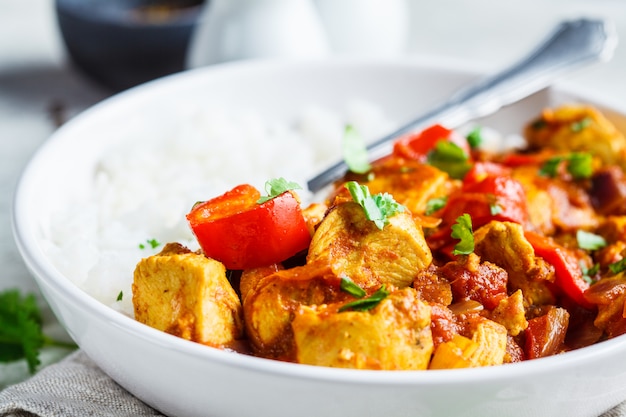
(349,286)
(451,158)
(21,335)
(120,296)
(550,167)
(590,273)
(462,230)
(579,165)
(589,241)
(494,206)
(355,152)
(153,243)
(475,138)
(539,124)
(276,187)
(378,208)
(435,204)
(580,125)
(617,267)
(368,303)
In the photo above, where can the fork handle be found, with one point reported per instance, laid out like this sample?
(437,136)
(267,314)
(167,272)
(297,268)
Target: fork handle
(572,44)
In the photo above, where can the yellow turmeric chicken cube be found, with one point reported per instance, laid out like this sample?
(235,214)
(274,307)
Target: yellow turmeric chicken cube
(577,128)
(188,295)
(355,247)
(393,335)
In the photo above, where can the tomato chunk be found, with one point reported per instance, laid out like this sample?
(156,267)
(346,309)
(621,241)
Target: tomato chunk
(237,231)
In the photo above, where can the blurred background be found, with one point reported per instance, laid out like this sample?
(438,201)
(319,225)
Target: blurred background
(58,58)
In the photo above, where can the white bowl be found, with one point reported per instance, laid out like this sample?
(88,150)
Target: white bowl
(182,378)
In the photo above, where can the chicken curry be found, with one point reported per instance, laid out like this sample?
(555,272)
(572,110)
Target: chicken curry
(440,255)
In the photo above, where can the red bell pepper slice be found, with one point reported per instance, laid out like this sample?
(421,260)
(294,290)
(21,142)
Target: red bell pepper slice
(568,274)
(500,198)
(237,231)
(417,146)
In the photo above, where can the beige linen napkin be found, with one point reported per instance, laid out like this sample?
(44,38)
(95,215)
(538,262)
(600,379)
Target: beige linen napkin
(76,387)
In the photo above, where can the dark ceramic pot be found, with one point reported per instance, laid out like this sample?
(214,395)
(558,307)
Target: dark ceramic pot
(122,43)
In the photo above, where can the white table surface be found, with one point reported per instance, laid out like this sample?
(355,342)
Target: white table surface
(36,78)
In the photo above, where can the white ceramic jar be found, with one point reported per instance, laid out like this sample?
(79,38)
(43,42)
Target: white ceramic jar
(243,29)
(366,28)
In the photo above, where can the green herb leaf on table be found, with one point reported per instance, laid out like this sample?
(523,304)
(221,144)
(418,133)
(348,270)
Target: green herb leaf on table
(276,187)
(21,335)
(378,208)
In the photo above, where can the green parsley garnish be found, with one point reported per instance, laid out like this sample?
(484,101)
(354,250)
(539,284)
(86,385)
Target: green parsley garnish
(578,164)
(378,208)
(349,286)
(451,158)
(368,303)
(539,124)
(475,138)
(589,241)
(21,335)
(276,187)
(462,230)
(435,204)
(153,243)
(590,273)
(495,208)
(580,125)
(617,267)
(120,296)
(355,152)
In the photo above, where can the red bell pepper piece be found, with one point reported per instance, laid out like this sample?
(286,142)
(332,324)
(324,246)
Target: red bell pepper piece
(417,146)
(568,274)
(500,198)
(237,231)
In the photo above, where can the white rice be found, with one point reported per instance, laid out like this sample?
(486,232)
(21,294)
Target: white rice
(143,189)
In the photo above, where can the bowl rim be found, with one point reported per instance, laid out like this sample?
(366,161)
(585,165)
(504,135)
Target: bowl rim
(45,273)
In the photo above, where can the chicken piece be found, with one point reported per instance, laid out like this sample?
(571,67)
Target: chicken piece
(487,347)
(411,183)
(313,215)
(271,304)
(511,314)
(574,128)
(504,244)
(353,246)
(188,295)
(554,204)
(394,335)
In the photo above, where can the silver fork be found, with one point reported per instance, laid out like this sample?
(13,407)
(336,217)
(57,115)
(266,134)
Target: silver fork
(571,45)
